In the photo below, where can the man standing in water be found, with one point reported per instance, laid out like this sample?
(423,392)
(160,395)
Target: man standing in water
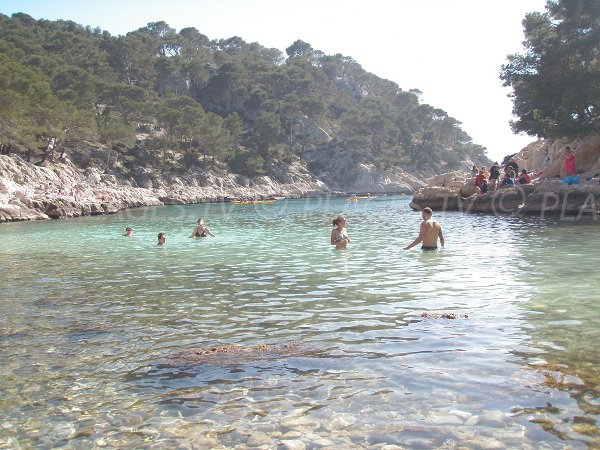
(429,232)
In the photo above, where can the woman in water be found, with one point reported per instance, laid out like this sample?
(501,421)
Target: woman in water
(201,230)
(162,238)
(339,236)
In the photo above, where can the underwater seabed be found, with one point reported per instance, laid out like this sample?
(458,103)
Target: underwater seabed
(267,337)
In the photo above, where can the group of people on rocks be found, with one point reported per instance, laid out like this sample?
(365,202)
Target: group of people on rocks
(493,179)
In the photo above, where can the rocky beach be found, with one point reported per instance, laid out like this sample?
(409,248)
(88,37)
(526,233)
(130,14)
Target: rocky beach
(548,194)
(59,190)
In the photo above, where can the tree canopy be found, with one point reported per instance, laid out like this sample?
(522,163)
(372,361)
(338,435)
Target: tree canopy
(556,81)
(222,100)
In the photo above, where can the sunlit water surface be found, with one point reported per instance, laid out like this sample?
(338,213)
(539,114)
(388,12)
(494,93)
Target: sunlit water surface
(100,334)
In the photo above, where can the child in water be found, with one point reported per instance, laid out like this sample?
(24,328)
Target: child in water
(339,235)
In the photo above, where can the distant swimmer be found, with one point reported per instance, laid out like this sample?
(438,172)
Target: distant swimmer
(339,235)
(201,230)
(162,238)
(128,231)
(429,232)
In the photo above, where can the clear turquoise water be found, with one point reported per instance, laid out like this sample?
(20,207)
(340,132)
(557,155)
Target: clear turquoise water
(94,326)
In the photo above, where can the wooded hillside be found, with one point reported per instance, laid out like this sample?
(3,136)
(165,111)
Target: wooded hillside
(201,102)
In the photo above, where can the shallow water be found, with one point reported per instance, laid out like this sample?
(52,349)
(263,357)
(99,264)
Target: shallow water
(100,336)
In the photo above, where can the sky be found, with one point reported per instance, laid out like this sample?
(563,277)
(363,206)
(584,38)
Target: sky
(450,50)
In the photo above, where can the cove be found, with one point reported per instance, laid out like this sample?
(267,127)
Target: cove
(266,335)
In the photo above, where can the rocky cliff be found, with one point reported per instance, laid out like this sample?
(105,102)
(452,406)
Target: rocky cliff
(63,190)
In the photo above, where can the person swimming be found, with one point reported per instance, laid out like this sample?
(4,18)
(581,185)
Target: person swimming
(201,230)
(128,231)
(339,235)
(162,238)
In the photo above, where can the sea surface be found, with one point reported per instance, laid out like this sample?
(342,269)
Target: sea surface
(267,337)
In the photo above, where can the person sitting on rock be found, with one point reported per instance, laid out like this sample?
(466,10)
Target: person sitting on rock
(201,230)
(479,179)
(524,178)
(484,186)
(507,181)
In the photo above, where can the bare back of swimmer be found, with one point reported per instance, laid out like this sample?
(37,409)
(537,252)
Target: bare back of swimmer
(429,232)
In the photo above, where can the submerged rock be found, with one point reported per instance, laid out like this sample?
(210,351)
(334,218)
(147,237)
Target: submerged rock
(443,316)
(237,354)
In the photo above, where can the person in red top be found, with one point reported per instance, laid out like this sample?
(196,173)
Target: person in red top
(479,179)
(569,162)
(524,178)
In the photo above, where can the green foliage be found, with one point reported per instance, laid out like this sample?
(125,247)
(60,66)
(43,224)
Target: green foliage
(556,82)
(222,100)
(267,132)
(255,165)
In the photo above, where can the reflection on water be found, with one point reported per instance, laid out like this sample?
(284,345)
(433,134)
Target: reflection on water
(266,335)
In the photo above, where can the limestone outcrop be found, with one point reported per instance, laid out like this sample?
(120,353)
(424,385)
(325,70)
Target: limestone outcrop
(546,157)
(549,194)
(364,178)
(62,190)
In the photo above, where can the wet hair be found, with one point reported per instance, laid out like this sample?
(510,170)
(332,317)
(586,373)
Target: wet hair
(337,220)
(200,219)
(428,210)
(128,229)
(160,235)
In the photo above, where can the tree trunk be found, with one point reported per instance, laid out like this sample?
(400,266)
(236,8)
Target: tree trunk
(108,158)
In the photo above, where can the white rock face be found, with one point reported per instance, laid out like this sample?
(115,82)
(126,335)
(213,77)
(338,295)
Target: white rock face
(61,190)
(366,178)
(547,157)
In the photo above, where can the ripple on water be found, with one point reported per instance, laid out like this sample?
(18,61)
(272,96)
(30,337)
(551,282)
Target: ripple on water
(86,341)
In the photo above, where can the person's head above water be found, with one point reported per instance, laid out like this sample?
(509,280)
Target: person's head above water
(128,231)
(162,238)
(339,220)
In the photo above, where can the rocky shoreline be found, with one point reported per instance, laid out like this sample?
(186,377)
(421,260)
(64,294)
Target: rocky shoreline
(63,190)
(543,198)
(60,190)
(548,195)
